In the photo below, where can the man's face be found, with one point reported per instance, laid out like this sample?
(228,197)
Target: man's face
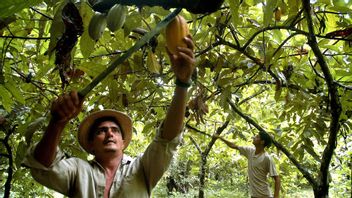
(257,141)
(107,139)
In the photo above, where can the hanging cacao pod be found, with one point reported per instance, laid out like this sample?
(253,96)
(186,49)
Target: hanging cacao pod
(175,31)
(277,14)
(116,17)
(97,25)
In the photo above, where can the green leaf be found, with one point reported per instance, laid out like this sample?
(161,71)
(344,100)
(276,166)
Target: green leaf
(268,12)
(234,6)
(133,21)
(20,153)
(87,44)
(57,28)
(10,7)
(15,91)
(33,127)
(147,128)
(152,64)
(6,101)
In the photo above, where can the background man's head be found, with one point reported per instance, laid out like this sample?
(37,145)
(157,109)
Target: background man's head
(266,138)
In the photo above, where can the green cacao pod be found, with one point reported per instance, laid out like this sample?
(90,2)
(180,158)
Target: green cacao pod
(116,17)
(175,31)
(97,25)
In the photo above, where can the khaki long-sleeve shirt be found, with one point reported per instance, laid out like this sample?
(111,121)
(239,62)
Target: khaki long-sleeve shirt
(135,178)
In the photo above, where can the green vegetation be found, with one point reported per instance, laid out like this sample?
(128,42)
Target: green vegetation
(278,66)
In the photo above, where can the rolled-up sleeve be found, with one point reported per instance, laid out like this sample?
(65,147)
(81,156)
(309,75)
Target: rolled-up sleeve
(157,157)
(58,176)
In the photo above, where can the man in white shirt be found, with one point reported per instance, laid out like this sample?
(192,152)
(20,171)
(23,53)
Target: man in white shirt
(260,164)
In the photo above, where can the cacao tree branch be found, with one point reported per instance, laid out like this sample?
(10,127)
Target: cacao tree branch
(204,156)
(9,155)
(288,28)
(213,139)
(44,15)
(289,155)
(335,105)
(322,77)
(210,47)
(284,42)
(242,50)
(5,155)
(35,83)
(26,38)
(196,145)
(197,130)
(252,96)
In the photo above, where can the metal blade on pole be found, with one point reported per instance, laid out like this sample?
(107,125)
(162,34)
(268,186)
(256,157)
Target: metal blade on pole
(162,24)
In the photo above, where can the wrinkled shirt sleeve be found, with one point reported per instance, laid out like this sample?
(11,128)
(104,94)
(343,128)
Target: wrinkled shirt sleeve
(59,176)
(245,150)
(272,167)
(157,157)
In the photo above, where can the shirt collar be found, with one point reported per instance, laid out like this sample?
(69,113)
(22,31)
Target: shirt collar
(125,160)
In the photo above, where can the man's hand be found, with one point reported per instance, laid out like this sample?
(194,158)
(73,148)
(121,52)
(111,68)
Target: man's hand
(182,63)
(228,143)
(66,107)
(217,136)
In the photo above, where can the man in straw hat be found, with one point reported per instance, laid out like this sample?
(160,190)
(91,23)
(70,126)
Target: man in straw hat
(106,134)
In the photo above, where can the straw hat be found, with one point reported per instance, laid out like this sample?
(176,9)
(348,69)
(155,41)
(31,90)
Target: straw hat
(123,120)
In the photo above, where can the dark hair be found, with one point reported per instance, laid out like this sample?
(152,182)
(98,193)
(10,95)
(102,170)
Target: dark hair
(96,124)
(266,138)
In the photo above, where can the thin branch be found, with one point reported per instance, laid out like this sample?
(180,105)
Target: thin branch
(5,155)
(252,96)
(44,15)
(210,47)
(196,145)
(24,77)
(197,130)
(242,50)
(284,42)
(213,139)
(26,38)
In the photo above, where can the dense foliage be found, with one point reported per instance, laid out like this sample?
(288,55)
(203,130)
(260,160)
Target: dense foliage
(278,66)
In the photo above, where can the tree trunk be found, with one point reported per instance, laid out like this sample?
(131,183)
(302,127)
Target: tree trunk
(202,176)
(321,192)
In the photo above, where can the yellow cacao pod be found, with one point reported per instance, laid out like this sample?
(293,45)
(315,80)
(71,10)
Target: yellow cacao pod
(175,31)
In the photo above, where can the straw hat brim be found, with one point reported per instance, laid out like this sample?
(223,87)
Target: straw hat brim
(123,120)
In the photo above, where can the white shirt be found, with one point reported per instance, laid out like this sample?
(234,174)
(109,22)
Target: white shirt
(259,166)
(135,178)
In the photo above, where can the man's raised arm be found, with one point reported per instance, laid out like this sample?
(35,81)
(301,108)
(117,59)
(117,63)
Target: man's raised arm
(182,64)
(228,143)
(63,109)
